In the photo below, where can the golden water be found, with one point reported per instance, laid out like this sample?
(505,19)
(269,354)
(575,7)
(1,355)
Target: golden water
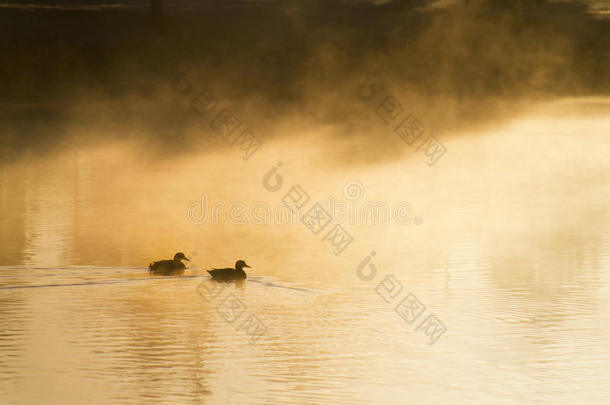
(508,246)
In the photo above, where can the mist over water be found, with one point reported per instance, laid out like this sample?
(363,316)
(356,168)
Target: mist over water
(512,256)
(113,74)
(114,155)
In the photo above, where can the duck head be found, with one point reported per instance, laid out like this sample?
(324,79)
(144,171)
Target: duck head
(240,264)
(180,256)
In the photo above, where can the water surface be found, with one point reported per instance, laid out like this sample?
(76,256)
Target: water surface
(510,252)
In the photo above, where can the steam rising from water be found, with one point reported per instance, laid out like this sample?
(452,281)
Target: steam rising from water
(285,70)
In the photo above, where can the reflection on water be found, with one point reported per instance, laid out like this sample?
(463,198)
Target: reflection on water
(47,219)
(512,256)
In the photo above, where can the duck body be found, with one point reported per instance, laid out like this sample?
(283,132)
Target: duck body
(168,267)
(230,274)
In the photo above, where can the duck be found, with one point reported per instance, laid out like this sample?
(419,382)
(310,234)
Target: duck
(230,274)
(169,267)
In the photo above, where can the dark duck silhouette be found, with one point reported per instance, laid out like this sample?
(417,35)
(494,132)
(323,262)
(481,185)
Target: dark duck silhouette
(230,274)
(169,267)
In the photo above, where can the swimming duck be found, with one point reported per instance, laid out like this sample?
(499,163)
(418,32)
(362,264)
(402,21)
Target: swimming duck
(169,267)
(230,274)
